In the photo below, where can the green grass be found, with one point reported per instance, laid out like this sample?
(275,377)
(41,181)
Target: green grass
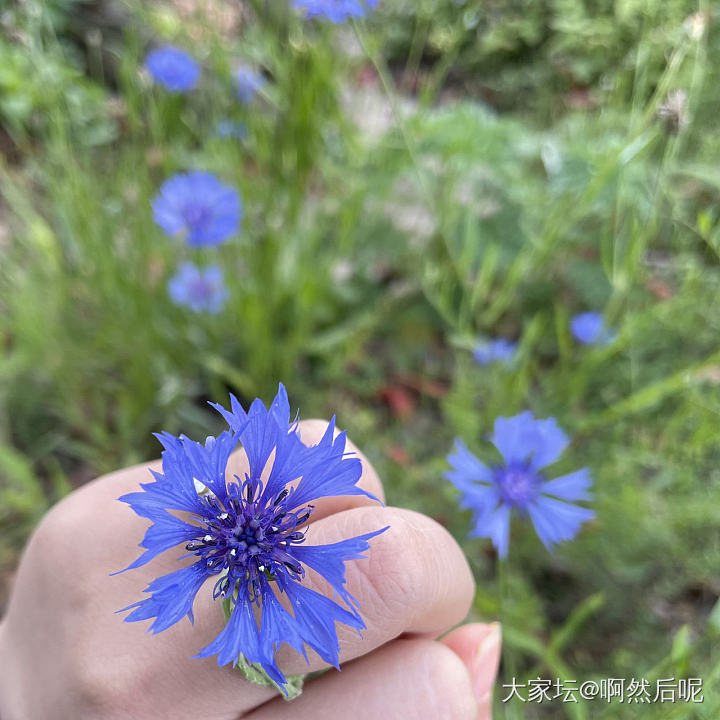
(365,269)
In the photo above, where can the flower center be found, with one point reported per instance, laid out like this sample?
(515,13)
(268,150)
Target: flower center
(246,536)
(196,215)
(200,290)
(518,485)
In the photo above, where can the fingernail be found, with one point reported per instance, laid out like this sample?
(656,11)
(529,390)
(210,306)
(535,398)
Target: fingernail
(485,663)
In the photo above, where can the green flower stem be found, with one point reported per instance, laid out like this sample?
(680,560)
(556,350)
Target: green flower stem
(509,657)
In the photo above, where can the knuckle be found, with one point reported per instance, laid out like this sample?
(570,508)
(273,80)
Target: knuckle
(392,579)
(92,689)
(101,690)
(411,569)
(445,574)
(52,555)
(56,531)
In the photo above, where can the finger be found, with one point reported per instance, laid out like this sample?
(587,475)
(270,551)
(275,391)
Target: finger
(96,512)
(418,555)
(415,579)
(418,679)
(70,647)
(311,432)
(478,646)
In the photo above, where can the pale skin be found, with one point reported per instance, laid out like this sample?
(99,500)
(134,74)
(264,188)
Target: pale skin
(65,653)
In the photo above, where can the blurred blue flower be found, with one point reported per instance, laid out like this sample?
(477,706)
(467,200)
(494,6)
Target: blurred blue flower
(200,289)
(174,69)
(247,83)
(248,534)
(492,351)
(199,205)
(589,328)
(335,11)
(527,446)
(226,128)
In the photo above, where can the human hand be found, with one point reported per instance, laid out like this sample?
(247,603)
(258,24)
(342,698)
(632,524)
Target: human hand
(65,653)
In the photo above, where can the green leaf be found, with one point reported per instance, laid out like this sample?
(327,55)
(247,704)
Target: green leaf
(714,619)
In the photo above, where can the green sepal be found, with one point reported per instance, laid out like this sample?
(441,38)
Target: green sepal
(255,673)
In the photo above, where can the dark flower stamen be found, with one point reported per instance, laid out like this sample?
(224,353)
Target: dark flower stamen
(248,536)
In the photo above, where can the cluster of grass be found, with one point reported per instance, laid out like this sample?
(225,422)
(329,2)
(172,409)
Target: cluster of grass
(369,262)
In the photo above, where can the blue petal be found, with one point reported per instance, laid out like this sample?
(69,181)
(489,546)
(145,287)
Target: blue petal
(491,351)
(166,216)
(173,490)
(208,462)
(570,487)
(336,11)
(586,327)
(259,438)
(556,521)
(510,436)
(481,499)
(550,444)
(236,418)
(496,526)
(217,208)
(247,82)
(172,68)
(316,616)
(277,626)
(327,471)
(199,289)
(172,597)
(589,328)
(467,469)
(280,407)
(329,560)
(240,635)
(165,533)
(291,458)
(324,469)
(522,438)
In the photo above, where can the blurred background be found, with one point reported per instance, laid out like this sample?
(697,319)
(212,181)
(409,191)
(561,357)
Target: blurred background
(416,183)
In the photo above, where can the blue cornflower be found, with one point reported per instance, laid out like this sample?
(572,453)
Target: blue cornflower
(199,205)
(200,289)
(174,69)
(226,128)
(336,11)
(247,535)
(247,82)
(527,446)
(492,351)
(589,328)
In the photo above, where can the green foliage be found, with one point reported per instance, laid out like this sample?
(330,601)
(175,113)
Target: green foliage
(535,54)
(43,81)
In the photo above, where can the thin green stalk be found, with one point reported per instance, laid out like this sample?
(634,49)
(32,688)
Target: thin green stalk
(391,93)
(509,657)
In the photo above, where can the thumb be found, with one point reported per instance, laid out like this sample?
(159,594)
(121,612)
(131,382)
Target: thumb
(478,646)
